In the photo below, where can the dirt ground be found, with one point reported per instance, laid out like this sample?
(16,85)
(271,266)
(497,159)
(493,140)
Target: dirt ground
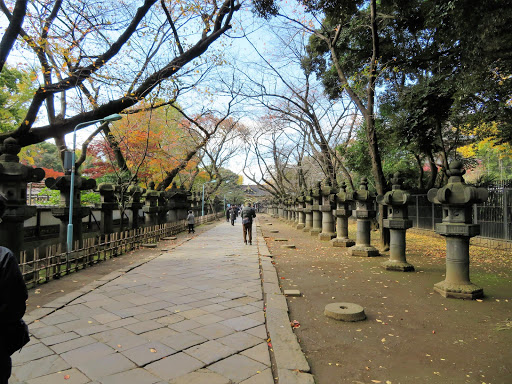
(412,334)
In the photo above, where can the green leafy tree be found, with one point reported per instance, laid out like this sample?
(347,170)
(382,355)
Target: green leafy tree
(16,90)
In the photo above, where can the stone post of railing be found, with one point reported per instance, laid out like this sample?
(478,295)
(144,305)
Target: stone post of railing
(300,211)
(150,207)
(457,200)
(308,213)
(316,195)
(364,212)
(108,205)
(343,212)
(63,185)
(14,178)
(398,222)
(328,194)
(134,194)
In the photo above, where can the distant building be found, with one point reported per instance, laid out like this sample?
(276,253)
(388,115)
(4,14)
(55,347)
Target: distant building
(255,195)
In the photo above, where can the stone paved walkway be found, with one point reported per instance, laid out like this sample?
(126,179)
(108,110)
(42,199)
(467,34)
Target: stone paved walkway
(192,315)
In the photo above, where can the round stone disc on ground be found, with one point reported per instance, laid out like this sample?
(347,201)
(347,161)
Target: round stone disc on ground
(150,245)
(274,231)
(345,311)
(291,246)
(280,239)
(169,238)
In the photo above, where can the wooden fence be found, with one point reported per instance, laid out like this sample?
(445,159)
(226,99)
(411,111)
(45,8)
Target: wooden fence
(55,263)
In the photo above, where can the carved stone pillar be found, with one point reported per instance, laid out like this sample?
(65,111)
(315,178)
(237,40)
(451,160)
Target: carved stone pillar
(457,200)
(343,212)
(364,212)
(14,178)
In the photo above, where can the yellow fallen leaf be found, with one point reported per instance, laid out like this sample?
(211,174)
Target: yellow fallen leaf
(383,340)
(376,381)
(152,350)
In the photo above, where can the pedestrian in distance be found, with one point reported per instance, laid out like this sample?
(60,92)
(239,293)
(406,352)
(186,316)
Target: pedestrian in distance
(13,296)
(232,215)
(248,213)
(227,214)
(191,220)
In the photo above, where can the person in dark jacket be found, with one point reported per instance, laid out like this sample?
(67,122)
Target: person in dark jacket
(248,213)
(191,220)
(13,297)
(232,215)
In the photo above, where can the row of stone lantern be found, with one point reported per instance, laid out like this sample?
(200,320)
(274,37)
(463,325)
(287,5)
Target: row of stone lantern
(314,212)
(160,207)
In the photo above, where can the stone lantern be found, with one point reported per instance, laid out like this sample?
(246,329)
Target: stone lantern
(343,212)
(14,178)
(182,203)
(171,195)
(151,207)
(108,204)
(134,193)
(300,211)
(398,222)
(308,213)
(63,184)
(364,212)
(316,195)
(275,208)
(326,208)
(163,206)
(457,200)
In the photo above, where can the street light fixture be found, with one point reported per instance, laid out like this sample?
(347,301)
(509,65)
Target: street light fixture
(109,118)
(202,202)
(225,199)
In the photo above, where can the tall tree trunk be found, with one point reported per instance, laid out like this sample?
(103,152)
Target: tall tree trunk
(12,31)
(433,171)
(420,171)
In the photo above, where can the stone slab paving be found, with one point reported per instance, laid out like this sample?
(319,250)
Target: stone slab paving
(193,315)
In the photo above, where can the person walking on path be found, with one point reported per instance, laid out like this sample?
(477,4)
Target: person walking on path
(232,215)
(191,220)
(248,213)
(13,297)
(227,214)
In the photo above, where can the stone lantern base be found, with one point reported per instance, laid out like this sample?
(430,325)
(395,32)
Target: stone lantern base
(326,236)
(315,231)
(345,243)
(401,266)
(300,226)
(364,250)
(459,291)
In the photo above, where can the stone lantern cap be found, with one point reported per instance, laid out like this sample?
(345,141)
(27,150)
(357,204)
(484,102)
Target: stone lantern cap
(456,191)
(11,169)
(317,191)
(364,199)
(457,198)
(396,200)
(343,201)
(63,183)
(396,196)
(108,195)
